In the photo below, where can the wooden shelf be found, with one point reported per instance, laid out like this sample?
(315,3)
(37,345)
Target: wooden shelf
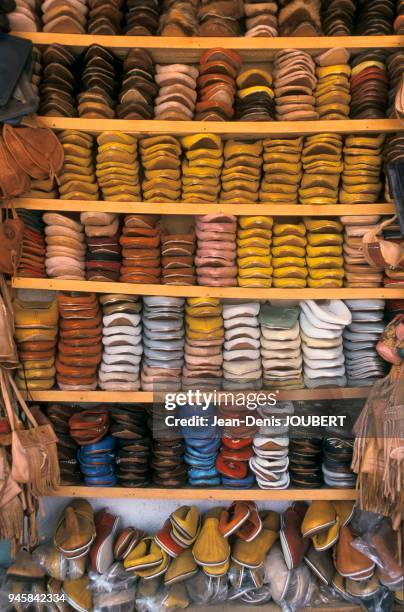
(148,397)
(186,208)
(206,494)
(197,291)
(184,49)
(229,129)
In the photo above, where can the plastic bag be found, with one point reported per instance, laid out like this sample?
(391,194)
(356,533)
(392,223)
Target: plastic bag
(115,579)
(291,589)
(380,546)
(57,565)
(204,590)
(149,595)
(244,582)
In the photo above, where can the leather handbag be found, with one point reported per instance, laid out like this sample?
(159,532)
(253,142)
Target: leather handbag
(34,147)
(11,237)
(8,349)
(13,180)
(380,253)
(34,452)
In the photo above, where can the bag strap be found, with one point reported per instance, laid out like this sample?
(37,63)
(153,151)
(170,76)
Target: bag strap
(7,402)
(22,402)
(5,294)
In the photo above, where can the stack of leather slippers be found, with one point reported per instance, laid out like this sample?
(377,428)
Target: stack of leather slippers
(75,544)
(332,89)
(337,17)
(375,18)
(69,18)
(122,343)
(138,89)
(57,84)
(305,463)
(280,347)
(361,177)
(89,429)
(324,252)
(295,83)
(160,157)
(363,364)
(43,189)
(254,259)
(324,362)
(241,356)
(103,258)
(216,250)
(298,18)
(218,70)
(177,95)
(36,328)
(290,267)
(217,19)
(98,84)
(105,18)
(322,164)
(241,173)
(398,24)
(32,261)
(168,468)
(133,453)
(282,170)
(142,17)
(20,17)
(201,446)
(77,178)
(255,95)
(395,67)
(358,272)
(337,459)
(179,18)
(36,71)
(140,241)
(163,340)
(270,461)
(117,167)
(59,415)
(260,21)
(177,258)
(236,450)
(201,168)
(369,85)
(80,347)
(65,247)
(203,344)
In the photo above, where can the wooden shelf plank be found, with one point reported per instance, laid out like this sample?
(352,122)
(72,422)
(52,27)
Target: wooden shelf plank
(197,291)
(186,208)
(206,494)
(241,129)
(189,49)
(146,397)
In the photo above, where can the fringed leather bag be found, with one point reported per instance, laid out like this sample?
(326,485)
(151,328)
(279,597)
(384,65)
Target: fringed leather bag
(379,448)
(34,453)
(11,508)
(11,237)
(8,349)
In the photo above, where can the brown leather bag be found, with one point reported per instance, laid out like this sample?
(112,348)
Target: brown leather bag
(11,237)
(11,511)
(8,349)
(13,180)
(34,147)
(380,253)
(34,452)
